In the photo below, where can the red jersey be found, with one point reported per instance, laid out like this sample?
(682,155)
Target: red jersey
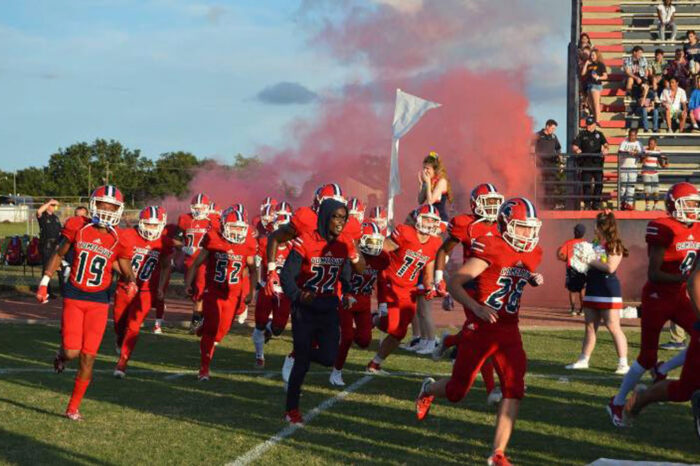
(322,262)
(94,252)
(408,260)
(501,285)
(466,228)
(352,229)
(283,250)
(568,249)
(363,284)
(194,232)
(304,220)
(145,256)
(226,264)
(681,243)
(214,219)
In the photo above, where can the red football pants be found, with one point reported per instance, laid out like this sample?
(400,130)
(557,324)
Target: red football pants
(277,305)
(401,307)
(83,325)
(355,326)
(131,320)
(504,346)
(218,314)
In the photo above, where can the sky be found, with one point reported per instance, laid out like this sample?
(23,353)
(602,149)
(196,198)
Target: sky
(219,78)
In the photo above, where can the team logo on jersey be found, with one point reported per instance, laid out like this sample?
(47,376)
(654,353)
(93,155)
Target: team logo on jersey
(327,260)
(228,256)
(94,247)
(684,245)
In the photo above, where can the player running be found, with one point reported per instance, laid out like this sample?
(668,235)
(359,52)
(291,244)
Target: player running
(228,260)
(86,296)
(504,265)
(356,318)
(673,245)
(411,249)
(150,252)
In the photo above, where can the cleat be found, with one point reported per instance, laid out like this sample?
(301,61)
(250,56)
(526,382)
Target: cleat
(293,416)
(672,346)
(375,369)
(615,413)
(499,459)
(243,316)
(411,345)
(424,400)
(336,378)
(287,367)
(196,324)
(59,365)
(656,375)
(203,376)
(695,403)
(622,369)
(629,412)
(494,397)
(119,373)
(260,363)
(580,364)
(157,329)
(427,348)
(74,415)
(440,348)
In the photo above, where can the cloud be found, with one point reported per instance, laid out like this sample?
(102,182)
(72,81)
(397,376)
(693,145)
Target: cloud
(285,93)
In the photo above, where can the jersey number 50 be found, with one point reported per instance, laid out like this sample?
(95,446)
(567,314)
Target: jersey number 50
(509,292)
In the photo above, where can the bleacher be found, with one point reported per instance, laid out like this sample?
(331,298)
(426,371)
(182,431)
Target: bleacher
(615,27)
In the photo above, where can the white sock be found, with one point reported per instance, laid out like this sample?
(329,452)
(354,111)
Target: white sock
(630,381)
(259,342)
(583,358)
(159,322)
(377,360)
(622,362)
(676,361)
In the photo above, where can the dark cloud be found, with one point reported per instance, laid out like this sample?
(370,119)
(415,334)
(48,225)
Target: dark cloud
(285,93)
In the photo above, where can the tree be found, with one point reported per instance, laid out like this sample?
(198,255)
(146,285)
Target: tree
(34,181)
(172,174)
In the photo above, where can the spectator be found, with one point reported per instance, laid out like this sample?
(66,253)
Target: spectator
(630,151)
(678,68)
(658,65)
(694,104)
(666,13)
(651,161)
(590,147)
(636,69)
(645,103)
(81,211)
(603,299)
(594,72)
(675,105)
(691,50)
(49,231)
(547,150)
(584,41)
(434,186)
(575,280)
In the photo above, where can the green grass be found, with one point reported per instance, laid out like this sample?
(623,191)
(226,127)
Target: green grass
(11,229)
(150,418)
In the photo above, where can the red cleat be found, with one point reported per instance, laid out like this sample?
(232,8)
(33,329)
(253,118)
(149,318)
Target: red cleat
(203,376)
(59,365)
(657,376)
(499,459)
(259,363)
(424,400)
(375,369)
(293,416)
(615,413)
(74,415)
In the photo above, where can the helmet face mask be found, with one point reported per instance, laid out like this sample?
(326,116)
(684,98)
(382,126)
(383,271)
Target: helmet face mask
(371,244)
(199,211)
(687,209)
(487,206)
(235,232)
(428,224)
(523,235)
(150,229)
(106,206)
(282,218)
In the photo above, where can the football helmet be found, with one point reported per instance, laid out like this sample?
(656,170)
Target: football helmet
(427,220)
(516,214)
(328,191)
(234,227)
(683,202)
(199,206)
(371,239)
(377,215)
(111,195)
(485,201)
(356,208)
(152,220)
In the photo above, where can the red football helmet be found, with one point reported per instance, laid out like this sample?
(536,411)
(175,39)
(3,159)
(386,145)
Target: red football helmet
(199,206)
(234,227)
(427,220)
(328,191)
(267,216)
(485,201)
(515,215)
(152,220)
(377,215)
(282,218)
(372,239)
(683,202)
(284,207)
(241,208)
(266,202)
(110,195)
(214,208)
(356,208)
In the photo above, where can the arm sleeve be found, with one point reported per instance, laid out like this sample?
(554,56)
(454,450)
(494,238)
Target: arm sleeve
(289,274)
(481,249)
(603,141)
(346,277)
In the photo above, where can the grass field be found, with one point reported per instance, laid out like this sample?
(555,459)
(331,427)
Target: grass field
(160,414)
(10,229)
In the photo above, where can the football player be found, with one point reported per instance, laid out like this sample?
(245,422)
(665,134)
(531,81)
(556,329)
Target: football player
(411,250)
(673,244)
(504,265)
(278,304)
(96,246)
(170,230)
(252,244)
(228,260)
(150,251)
(377,215)
(356,318)
(192,228)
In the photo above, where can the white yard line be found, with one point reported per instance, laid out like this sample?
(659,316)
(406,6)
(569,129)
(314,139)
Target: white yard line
(262,448)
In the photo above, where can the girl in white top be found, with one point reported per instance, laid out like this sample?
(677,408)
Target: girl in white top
(674,100)
(630,151)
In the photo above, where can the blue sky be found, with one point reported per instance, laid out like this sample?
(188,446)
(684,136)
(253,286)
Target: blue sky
(213,78)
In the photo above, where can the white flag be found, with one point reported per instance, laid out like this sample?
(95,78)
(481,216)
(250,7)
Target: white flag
(409,109)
